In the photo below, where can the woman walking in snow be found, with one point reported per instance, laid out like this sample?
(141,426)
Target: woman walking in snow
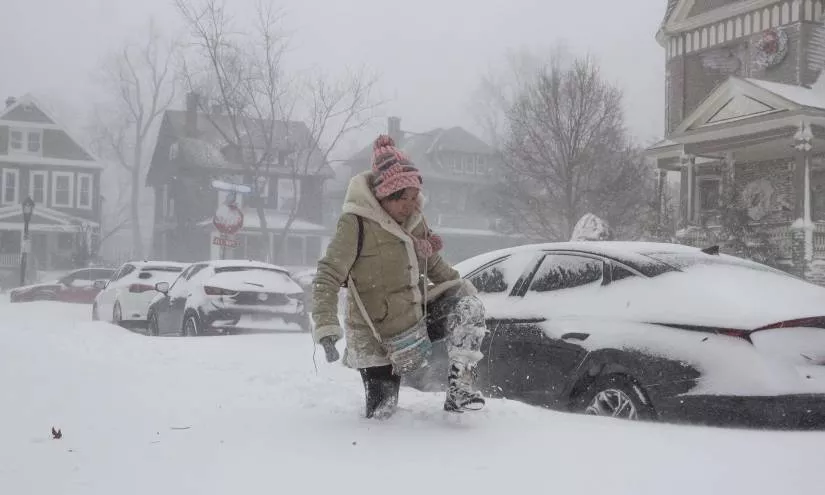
(387,257)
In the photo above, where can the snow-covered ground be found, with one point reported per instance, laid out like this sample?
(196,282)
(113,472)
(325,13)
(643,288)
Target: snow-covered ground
(250,414)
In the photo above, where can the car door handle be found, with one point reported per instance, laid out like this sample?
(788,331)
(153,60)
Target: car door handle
(575,336)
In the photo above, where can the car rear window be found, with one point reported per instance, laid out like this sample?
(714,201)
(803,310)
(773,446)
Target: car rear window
(149,272)
(227,269)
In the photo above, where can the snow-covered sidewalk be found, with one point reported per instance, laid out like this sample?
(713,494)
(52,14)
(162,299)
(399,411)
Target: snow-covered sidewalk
(249,414)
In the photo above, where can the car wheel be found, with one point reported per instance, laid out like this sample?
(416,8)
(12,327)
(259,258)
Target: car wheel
(117,315)
(617,396)
(152,328)
(95,316)
(191,327)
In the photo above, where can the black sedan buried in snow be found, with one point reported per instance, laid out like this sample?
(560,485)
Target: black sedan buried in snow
(648,331)
(228,296)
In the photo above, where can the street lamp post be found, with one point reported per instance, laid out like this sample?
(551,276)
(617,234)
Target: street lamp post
(28,208)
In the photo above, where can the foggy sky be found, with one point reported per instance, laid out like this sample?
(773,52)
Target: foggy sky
(429,54)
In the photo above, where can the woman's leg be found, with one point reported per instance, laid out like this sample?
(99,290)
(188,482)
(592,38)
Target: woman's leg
(380,391)
(458,315)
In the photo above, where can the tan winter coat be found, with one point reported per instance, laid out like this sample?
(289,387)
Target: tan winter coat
(386,275)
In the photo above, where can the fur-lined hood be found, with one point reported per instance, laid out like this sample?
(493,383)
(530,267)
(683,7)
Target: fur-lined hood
(360,200)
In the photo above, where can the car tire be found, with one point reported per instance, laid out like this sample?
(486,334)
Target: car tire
(95,315)
(152,328)
(616,396)
(191,326)
(117,315)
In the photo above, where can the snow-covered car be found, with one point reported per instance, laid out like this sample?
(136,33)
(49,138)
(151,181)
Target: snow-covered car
(77,286)
(648,331)
(125,297)
(228,296)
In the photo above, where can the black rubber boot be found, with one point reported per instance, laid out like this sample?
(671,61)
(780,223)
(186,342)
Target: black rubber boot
(381,389)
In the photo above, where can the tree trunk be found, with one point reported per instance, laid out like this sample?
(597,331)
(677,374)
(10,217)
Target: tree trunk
(137,238)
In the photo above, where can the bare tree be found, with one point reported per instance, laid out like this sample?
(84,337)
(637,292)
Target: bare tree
(560,130)
(140,83)
(277,125)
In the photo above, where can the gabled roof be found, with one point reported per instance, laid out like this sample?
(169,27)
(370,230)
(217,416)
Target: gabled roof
(39,115)
(423,149)
(738,99)
(681,15)
(209,148)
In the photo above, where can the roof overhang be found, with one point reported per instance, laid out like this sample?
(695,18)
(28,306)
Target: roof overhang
(737,114)
(679,21)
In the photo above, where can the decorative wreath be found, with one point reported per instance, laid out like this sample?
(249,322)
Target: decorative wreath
(758,198)
(771,47)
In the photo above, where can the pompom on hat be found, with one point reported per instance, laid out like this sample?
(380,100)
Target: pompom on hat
(393,170)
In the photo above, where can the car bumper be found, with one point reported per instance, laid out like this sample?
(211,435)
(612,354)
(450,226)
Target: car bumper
(797,411)
(236,320)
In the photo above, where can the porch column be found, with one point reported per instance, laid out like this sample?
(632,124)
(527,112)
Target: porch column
(729,180)
(688,189)
(661,183)
(803,227)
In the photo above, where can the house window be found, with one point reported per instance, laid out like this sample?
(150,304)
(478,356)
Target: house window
(289,193)
(709,194)
(11,185)
(26,141)
(35,142)
(481,165)
(62,189)
(37,187)
(16,141)
(467,164)
(294,251)
(84,191)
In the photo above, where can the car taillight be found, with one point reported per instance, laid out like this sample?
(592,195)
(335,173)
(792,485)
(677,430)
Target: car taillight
(217,291)
(138,288)
(813,322)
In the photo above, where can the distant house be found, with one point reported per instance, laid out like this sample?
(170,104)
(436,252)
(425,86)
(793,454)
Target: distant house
(459,171)
(40,159)
(192,151)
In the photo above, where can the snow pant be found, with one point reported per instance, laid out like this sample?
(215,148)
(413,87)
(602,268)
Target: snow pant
(457,316)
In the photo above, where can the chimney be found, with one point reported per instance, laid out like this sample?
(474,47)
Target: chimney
(394,129)
(11,100)
(192,102)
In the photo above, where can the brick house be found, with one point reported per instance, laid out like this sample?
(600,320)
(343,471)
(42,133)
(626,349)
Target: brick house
(458,169)
(745,123)
(39,158)
(192,151)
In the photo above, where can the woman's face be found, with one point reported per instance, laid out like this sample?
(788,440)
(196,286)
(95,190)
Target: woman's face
(402,208)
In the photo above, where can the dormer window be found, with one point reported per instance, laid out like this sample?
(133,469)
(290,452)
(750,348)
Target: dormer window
(26,141)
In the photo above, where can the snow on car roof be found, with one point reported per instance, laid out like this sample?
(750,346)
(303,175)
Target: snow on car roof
(160,265)
(246,264)
(626,250)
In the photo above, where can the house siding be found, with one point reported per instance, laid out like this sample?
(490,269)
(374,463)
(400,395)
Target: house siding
(58,144)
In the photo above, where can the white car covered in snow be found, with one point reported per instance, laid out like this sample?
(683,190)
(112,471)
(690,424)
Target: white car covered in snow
(648,331)
(125,297)
(228,296)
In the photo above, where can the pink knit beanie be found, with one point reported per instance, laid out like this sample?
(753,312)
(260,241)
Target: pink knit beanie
(393,170)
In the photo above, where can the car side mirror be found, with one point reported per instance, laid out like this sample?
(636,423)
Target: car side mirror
(100,284)
(162,287)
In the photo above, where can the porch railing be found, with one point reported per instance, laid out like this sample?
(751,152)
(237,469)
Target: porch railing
(780,236)
(819,240)
(9,259)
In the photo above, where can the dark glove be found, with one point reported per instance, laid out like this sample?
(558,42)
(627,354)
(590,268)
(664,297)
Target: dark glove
(328,343)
